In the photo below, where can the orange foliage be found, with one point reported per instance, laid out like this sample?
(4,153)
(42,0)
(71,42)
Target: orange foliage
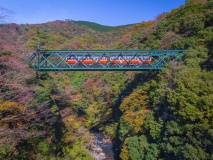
(160,17)
(136,100)
(135,109)
(140,26)
(136,119)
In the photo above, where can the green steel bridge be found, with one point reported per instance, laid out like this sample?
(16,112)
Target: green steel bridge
(105,60)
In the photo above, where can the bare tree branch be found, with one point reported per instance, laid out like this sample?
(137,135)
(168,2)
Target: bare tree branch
(5,15)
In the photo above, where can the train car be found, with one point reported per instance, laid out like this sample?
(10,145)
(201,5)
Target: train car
(87,60)
(137,60)
(133,60)
(71,59)
(80,59)
(103,60)
(147,59)
(113,60)
(95,60)
(118,60)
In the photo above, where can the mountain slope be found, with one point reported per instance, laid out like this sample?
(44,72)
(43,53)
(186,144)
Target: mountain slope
(98,27)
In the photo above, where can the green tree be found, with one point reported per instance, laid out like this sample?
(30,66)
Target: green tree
(140,148)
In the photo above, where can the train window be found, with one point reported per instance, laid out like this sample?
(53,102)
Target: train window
(70,57)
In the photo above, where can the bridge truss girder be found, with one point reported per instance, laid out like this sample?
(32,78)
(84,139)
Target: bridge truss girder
(56,60)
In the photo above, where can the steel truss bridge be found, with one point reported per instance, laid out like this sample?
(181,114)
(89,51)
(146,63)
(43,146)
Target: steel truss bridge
(105,60)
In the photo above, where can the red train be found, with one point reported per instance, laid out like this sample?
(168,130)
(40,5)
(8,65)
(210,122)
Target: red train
(104,60)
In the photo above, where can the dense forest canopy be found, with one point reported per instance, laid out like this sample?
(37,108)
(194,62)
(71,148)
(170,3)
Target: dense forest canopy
(164,114)
(98,27)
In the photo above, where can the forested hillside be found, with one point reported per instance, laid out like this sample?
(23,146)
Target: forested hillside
(99,27)
(164,114)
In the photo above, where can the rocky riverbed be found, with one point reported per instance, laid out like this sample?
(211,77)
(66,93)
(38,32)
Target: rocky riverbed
(101,149)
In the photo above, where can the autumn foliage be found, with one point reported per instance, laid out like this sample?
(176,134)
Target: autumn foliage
(164,114)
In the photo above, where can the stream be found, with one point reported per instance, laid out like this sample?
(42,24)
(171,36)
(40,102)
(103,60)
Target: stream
(103,149)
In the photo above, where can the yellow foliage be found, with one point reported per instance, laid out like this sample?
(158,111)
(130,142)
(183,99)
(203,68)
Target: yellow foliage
(124,150)
(96,91)
(70,120)
(136,119)
(79,97)
(149,23)
(66,81)
(76,125)
(135,100)
(12,106)
(134,108)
